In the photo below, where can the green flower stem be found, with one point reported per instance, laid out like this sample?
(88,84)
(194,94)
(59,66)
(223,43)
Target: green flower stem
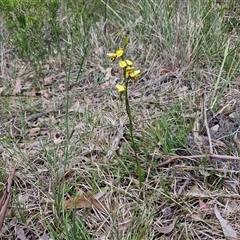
(139,170)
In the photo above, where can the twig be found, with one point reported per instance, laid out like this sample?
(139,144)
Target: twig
(207,128)
(172,159)
(4,201)
(226,157)
(231,134)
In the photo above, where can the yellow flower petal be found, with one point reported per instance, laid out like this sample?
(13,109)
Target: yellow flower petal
(111,54)
(122,64)
(136,72)
(120,88)
(129,70)
(129,63)
(119,52)
(134,75)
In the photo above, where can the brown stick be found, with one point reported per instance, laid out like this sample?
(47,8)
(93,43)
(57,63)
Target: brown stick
(207,128)
(5,200)
(174,158)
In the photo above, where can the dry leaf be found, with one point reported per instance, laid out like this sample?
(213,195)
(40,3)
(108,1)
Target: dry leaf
(58,138)
(45,133)
(167,229)
(33,92)
(204,207)
(69,173)
(84,201)
(33,132)
(45,236)
(87,100)
(196,192)
(20,233)
(49,80)
(228,231)
(45,94)
(231,207)
(163,71)
(18,86)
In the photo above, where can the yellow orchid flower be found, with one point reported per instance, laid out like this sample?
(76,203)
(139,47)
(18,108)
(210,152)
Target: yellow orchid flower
(115,55)
(119,52)
(120,88)
(134,75)
(129,70)
(126,63)
(129,63)
(122,64)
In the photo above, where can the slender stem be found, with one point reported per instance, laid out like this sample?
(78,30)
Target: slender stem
(139,170)
(105,17)
(128,110)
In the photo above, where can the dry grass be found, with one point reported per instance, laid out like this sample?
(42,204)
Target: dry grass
(68,133)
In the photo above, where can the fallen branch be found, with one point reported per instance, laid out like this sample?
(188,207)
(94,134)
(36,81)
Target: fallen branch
(174,158)
(4,202)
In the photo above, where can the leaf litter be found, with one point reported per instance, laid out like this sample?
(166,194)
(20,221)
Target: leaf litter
(94,155)
(228,231)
